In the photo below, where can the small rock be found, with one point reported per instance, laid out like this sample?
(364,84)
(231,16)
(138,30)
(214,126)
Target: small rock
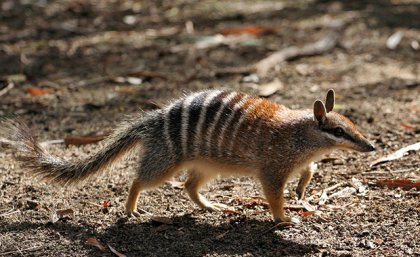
(415,45)
(394,40)
(129,19)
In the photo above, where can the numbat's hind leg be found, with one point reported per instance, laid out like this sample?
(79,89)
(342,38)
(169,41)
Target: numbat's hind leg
(133,197)
(192,186)
(147,179)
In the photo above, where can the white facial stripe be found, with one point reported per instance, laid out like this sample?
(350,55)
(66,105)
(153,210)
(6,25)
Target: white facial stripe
(203,113)
(241,120)
(236,108)
(225,102)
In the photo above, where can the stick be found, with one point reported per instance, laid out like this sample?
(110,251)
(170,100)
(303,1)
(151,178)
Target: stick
(321,46)
(34,248)
(9,213)
(9,86)
(326,190)
(325,44)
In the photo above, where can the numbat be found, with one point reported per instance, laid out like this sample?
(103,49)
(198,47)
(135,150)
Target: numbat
(209,133)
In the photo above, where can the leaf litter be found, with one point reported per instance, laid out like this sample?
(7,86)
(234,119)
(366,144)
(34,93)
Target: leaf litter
(397,154)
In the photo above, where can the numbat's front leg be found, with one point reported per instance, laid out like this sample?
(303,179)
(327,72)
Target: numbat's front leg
(304,181)
(273,186)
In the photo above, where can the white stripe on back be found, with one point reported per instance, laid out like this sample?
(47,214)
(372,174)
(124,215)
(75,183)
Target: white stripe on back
(185,120)
(240,121)
(203,113)
(236,108)
(225,101)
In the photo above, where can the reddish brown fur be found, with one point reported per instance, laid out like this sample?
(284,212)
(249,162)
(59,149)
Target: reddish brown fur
(265,110)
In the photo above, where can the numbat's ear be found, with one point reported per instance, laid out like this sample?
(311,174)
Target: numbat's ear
(329,103)
(319,111)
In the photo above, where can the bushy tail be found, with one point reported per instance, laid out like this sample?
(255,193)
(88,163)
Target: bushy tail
(52,168)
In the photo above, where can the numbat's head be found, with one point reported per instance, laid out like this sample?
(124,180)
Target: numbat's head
(337,130)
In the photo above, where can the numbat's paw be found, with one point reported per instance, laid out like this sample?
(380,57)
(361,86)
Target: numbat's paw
(287,219)
(133,213)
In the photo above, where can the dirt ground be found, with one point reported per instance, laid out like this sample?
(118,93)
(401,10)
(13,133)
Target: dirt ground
(80,66)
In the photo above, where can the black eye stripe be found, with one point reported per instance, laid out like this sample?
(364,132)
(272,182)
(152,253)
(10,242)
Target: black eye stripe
(344,135)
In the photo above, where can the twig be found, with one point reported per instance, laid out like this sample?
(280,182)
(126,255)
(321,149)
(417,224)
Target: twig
(90,82)
(331,188)
(325,44)
(34,248)
(9,86)
(321,46)
(326,190)
(397,154)
(52,142)
(388,172)
(10,212)
(91,203)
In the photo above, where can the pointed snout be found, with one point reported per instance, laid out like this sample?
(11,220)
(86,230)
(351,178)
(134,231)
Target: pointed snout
(368,147)
(363,145)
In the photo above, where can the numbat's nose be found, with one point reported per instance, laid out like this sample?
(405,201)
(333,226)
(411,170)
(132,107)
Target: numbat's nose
(370,147)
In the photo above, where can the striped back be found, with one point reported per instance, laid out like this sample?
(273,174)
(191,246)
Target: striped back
(207,123)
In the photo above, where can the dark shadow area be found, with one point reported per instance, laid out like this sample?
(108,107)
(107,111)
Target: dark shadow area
(185,237)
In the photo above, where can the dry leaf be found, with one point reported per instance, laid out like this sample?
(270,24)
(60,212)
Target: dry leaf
(307,206)
(402,183)
(345,192)
(90,138)
(54,217)
(271,88)
(306,213)
(127,89)
(116,252)
(253,30)
(358,185)
(323,198)
(396,155)
(94,242)
(36,91)
(406,125)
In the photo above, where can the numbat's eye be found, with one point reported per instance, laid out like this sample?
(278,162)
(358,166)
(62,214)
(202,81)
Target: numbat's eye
(338,132)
